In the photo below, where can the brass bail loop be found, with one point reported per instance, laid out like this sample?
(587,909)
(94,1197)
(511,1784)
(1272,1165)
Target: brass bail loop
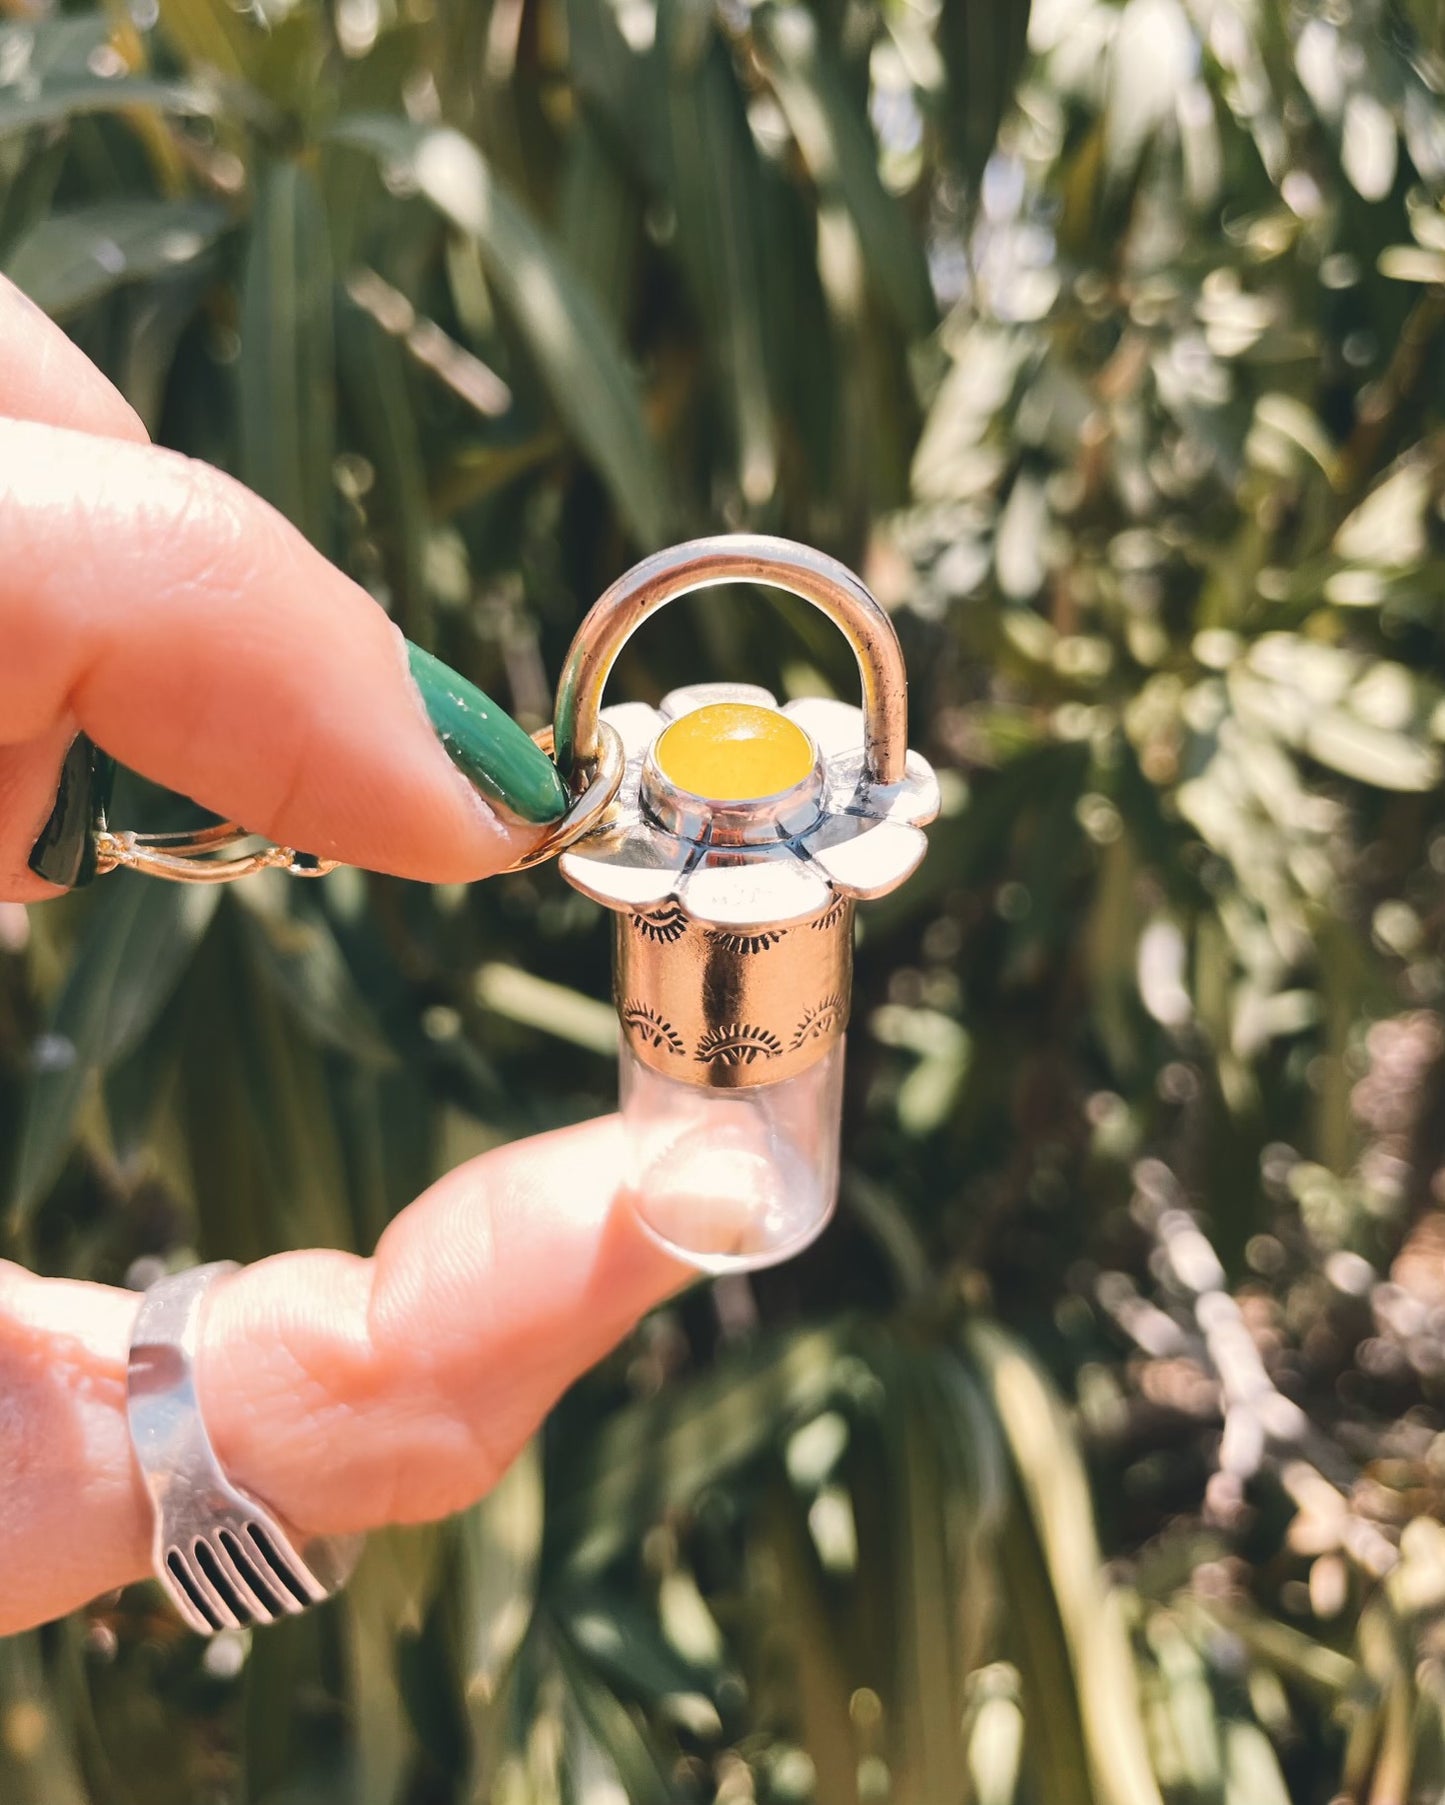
(733,558)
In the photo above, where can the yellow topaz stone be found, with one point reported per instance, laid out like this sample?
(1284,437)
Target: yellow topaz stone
(734,752)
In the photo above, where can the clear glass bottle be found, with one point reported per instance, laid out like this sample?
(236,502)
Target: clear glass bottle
(730,1180)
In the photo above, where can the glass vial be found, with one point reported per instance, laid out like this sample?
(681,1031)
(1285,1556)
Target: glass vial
(731,1180)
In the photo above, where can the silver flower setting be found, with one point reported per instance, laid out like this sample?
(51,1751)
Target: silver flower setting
(774,863)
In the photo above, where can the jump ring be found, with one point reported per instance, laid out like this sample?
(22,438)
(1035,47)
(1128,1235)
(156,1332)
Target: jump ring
(190,858)
(589,802)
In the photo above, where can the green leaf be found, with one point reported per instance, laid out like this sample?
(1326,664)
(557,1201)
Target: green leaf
(838,148)
(1373,755)
(390,1592)
(287,363)
(565,328)
(614,81)
(215,37)
(286,1689)
(1151,59)
(662,1453)
(501,1546)
(1056,1494)
(983,44)
(1189,1702)
(1413,263)
(70,260)
(1388,529)
(39,1754)
(806,1638)
(550,1008)
(27,188)
(996,1739)
(377,395)
(33,54)
(624,1644)
(137,944)
(715,187)
(55,47)
(137,1089)
(76,97)
(297,955)
(1253,1775)
(929,1745)
(607,1746)
(258,1113)
(600,219)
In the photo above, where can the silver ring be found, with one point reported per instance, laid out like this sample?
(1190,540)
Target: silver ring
(224,1559)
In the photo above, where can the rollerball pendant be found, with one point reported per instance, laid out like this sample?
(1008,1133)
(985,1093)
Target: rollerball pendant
(739,839)
(731,838)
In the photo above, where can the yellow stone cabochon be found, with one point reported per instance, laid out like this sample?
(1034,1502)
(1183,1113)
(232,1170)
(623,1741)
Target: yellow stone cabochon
(734,752)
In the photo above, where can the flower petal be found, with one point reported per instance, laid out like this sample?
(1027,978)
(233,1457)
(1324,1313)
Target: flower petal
(870,861)
(702,695)
(638,725)
(839,731)
(915,800)
(629,867)
(836,727)
(754,892)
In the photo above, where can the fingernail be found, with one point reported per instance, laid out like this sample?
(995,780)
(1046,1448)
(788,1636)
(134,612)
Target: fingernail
(486,744)
(65,851)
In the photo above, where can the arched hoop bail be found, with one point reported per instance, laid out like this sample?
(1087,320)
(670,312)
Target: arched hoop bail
(736,558)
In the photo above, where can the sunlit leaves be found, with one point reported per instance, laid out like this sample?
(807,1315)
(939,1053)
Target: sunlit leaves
(1171,594)
(983,46)
(1099,1695)
(715,181)
(287,375)
(575,345)
(23,108)
(842,159)
(1389,528)
(70,260)
(123,973)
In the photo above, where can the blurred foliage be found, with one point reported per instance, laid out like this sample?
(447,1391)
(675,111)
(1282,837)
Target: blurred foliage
(1094,1455)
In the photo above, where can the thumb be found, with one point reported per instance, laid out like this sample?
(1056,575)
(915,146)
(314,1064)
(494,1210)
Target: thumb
(347,1393)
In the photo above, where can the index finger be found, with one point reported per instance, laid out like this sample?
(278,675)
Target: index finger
(43,376)
(196,636)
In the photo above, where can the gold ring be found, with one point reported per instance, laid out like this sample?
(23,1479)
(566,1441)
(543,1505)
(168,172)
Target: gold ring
(200,857)
(191,858)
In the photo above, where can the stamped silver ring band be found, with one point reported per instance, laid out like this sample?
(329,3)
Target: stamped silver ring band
(224,1559)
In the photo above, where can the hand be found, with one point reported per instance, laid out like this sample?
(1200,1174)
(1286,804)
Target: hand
(344,1393)
(197,637)
(177,619)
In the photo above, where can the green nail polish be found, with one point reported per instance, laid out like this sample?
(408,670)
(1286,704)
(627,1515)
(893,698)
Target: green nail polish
(65,851)
(486,744)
